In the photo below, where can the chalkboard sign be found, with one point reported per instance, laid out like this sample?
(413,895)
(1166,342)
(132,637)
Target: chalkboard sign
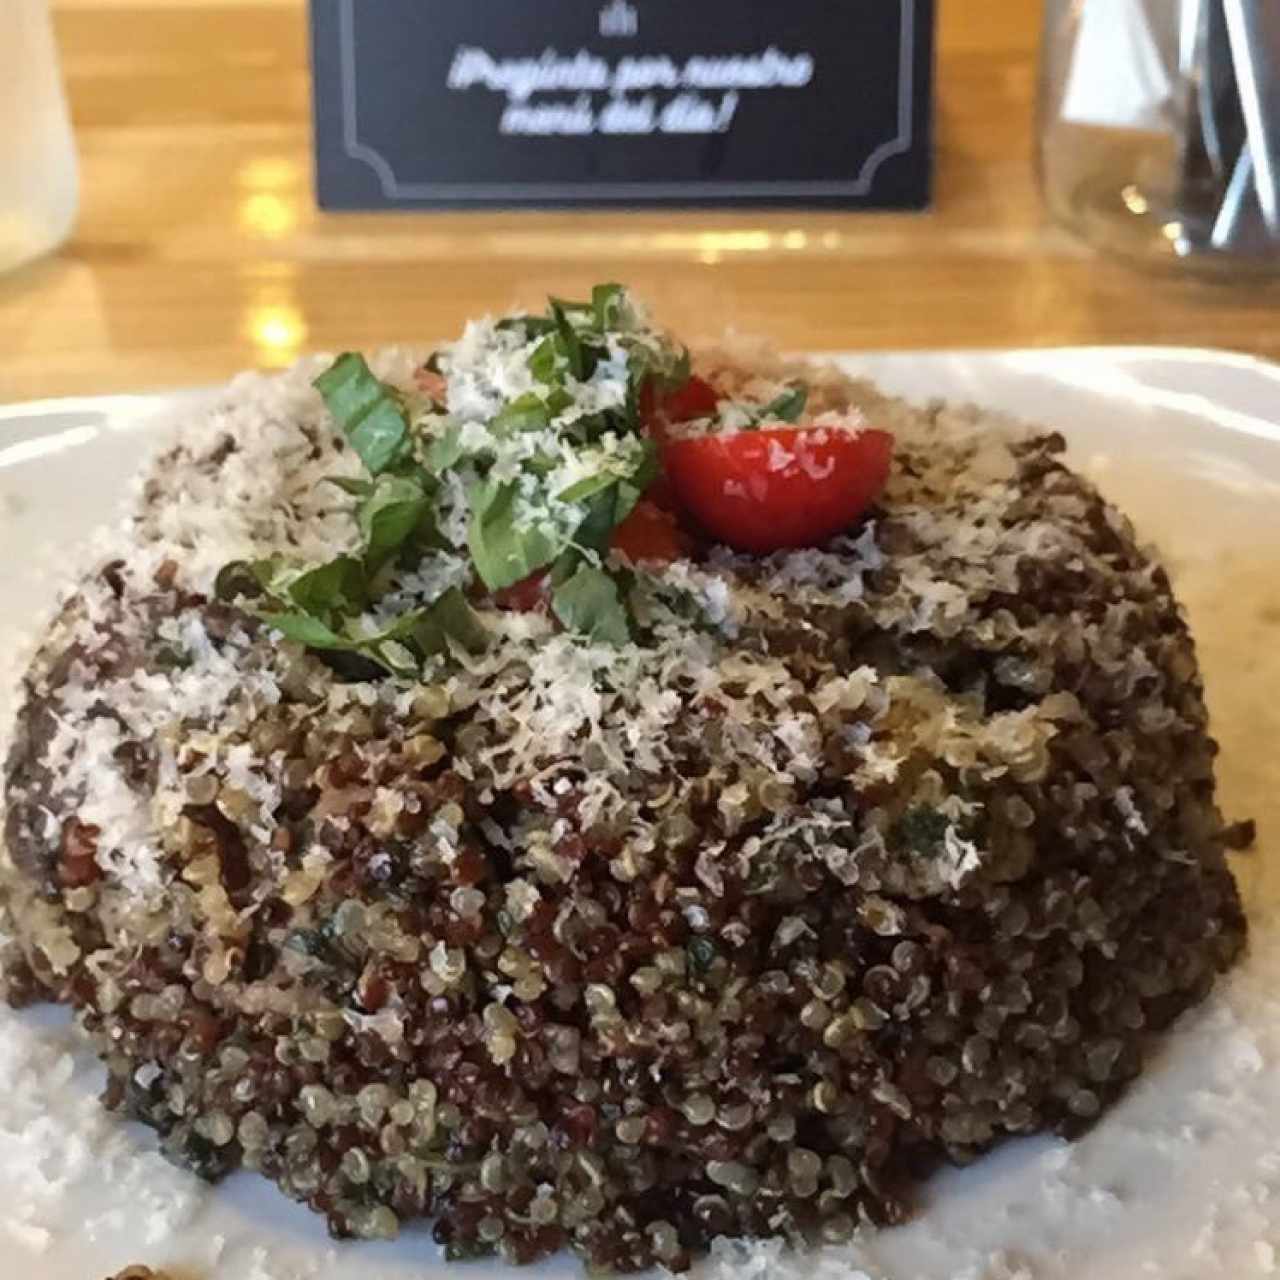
(434,103)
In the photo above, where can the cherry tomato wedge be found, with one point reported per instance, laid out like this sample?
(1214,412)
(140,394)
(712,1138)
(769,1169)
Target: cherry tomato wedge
(650,535)
(524,596)
(778,487)
(696,399)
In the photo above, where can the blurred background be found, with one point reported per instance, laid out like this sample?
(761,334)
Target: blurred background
(199,249)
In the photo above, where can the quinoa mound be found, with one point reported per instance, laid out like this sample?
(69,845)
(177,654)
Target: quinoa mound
(858,858)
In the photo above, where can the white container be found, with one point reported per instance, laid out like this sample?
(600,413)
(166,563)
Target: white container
(39,183)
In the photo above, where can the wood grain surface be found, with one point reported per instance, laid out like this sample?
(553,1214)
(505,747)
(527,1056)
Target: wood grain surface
(200,250)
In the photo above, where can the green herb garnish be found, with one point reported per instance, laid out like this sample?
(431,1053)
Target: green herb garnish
(504,551)
(369,413)
(788,406)
(339,587)
(530,412)
(321,609)
(356,488)
(589,603)
(450,620)
(546,476)
(305,629)
(389,516)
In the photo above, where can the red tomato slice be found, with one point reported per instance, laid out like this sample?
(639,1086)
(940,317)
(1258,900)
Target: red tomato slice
(696,399)
(650,535)
(780,486)
(524,596)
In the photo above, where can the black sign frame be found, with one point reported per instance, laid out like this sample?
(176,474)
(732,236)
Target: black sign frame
(357,171)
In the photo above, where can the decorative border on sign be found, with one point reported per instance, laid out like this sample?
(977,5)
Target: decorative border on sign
(394,189)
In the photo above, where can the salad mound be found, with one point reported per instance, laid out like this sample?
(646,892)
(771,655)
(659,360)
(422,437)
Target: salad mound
(602,796)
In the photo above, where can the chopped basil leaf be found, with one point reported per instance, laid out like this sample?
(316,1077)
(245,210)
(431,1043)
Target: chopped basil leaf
(369,414)
(527,413)
(588,603)
(356,488)
(788,406)
(397,648)
(608,506)
(598,524)
(582,360)
(445,450)
(337,587)
(639,478)
(609,302)
(557,401)
(605,512)
(567,305)
(545,361)
(305,629)
(647,468)
(388,517)
(541,464)
(391,647)
(587,487)
(502,551)
(629,494)
(565,566)
(450,618)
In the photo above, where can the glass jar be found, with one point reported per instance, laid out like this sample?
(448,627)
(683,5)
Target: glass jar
(39,183)
(1152,114)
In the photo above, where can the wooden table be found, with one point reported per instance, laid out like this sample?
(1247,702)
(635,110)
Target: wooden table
(200,250)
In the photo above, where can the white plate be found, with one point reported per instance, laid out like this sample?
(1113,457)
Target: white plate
(1181,1179)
